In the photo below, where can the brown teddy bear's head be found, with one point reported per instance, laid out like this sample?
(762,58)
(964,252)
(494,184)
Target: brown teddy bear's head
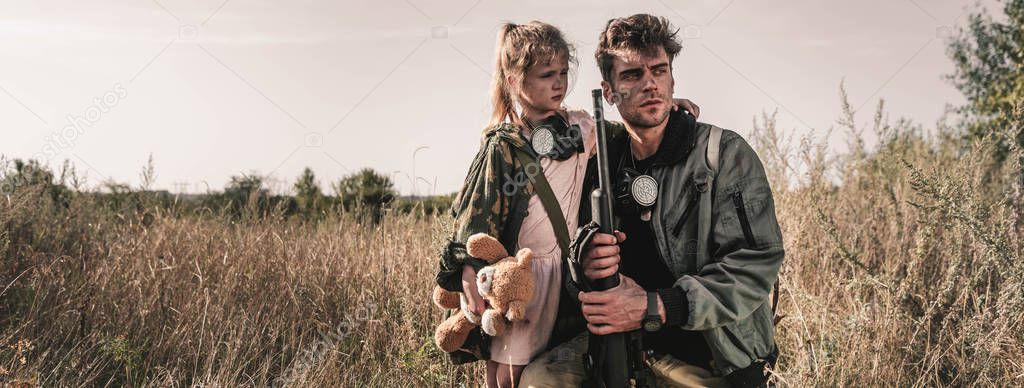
(508,279)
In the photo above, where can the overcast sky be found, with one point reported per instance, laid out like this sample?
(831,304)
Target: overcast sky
(217,88)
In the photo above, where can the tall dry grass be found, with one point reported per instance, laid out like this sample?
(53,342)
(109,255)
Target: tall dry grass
(170,300)
(903,268)
(903,261)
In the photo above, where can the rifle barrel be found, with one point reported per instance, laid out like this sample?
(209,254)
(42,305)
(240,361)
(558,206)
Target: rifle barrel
(613,362)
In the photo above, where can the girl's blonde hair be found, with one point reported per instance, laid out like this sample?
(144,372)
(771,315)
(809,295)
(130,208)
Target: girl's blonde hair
(519,47)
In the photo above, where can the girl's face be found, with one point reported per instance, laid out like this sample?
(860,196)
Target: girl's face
(544,86)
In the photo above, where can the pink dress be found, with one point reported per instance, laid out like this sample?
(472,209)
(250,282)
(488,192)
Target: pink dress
(528,338)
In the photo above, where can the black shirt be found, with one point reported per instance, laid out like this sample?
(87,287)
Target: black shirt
(642,262)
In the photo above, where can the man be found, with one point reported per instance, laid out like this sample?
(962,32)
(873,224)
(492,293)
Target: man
(710,320)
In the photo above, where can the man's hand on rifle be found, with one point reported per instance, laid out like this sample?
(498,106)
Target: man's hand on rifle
(601,256)
(620,309)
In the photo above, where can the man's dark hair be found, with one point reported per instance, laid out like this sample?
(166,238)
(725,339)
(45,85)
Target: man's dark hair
(640,34)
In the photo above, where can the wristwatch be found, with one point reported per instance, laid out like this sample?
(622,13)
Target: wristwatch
(652,321)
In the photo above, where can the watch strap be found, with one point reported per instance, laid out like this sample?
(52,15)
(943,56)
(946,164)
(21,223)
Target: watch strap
(652,307)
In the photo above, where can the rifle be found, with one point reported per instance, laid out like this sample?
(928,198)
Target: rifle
(609,363)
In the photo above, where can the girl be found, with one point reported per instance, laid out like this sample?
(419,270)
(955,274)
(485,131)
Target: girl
(530,82)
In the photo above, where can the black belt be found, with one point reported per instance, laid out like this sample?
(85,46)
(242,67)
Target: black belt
(754,375)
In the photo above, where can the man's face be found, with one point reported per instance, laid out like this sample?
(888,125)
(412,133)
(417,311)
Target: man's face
(641,87)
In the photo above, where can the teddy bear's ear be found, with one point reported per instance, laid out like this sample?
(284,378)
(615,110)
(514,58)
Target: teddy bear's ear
(486,248)
(524,257)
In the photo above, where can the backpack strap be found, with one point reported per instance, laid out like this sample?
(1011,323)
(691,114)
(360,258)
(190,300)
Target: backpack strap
(547,198)
(714,140)
(704,182)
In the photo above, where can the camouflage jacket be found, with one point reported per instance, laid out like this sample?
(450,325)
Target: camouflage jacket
(493,200)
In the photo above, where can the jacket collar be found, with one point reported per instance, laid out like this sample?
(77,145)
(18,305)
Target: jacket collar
(679,138)
(508,132)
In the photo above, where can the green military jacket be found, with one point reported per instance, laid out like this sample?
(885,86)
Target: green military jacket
(724,291)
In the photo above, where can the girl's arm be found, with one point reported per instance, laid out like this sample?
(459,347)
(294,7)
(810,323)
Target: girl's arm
(687,105)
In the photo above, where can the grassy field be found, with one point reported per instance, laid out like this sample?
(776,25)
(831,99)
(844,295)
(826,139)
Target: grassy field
(903,268)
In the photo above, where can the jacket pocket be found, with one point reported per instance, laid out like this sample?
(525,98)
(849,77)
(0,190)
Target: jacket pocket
(763,330)
(730,346)
(690,206)
(741,214)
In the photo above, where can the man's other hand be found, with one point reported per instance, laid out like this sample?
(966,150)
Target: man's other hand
(616,310)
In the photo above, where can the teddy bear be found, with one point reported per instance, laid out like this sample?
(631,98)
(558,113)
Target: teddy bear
(506,284)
